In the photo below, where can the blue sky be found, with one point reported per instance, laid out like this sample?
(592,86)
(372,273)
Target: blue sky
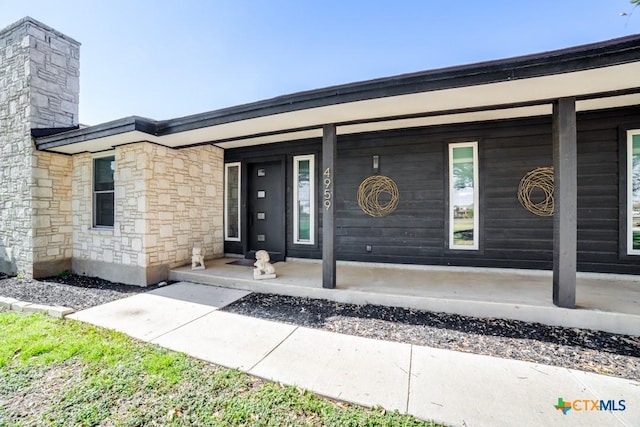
(162,59)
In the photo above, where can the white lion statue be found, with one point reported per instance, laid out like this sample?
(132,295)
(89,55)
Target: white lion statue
(197,258)
(264,269)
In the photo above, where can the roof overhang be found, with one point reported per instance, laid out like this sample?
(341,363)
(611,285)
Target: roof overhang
(600,76)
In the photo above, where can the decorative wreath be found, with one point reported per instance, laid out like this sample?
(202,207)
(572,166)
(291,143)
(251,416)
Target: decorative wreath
(542,179)
(369,194)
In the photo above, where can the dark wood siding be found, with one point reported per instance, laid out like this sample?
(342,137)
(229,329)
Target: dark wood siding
(600,179)
(416,159)
(414,232)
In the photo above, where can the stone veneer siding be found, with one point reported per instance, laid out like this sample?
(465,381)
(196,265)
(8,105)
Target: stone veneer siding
(51,207)
(166,201)
(39,81)
(185,204)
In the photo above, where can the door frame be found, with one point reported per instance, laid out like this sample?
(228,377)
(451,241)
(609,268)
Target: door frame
(244,215)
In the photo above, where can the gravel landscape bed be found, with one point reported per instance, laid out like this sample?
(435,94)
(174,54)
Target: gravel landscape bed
(587,350)
(77,292)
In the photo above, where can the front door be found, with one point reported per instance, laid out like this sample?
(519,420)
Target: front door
(266,210)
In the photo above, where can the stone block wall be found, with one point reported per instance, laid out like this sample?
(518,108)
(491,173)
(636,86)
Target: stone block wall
(185,204)
(16,152)
(166,201)
(110,253)
(51,208)
(39,89)
(54,77)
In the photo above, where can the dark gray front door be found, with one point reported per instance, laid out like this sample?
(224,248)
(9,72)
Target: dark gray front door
(266,209)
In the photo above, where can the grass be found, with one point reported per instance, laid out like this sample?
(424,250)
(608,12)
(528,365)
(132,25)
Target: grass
(462,224)
(61,372)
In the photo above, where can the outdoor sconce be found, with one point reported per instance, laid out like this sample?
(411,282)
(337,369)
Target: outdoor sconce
(376,164)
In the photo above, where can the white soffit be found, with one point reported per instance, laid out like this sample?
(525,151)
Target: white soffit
(608,79)
(599,80)
(610,102)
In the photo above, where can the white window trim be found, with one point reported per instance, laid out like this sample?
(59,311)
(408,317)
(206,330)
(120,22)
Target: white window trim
(476,197)
(312,186)
(630,135)
(227,166)
(95,156)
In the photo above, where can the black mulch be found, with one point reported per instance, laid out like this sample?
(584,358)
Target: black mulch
(77,292)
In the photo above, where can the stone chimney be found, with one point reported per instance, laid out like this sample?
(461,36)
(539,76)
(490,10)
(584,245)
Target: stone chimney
(39,89)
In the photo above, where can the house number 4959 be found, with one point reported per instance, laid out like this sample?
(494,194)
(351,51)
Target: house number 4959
(327,188)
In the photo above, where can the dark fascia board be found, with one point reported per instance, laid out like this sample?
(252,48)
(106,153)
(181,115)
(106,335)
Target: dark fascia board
(613,52)
(116,127)
(603,54)
(42,132)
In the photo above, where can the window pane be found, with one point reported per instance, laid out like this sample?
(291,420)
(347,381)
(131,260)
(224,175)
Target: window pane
(304,221)
(233,194)
(463,196)
(304,201)
(104,209)
(103,173)
(635,192)
(303,180)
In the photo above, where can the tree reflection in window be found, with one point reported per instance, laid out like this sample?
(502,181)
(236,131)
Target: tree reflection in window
(463,200)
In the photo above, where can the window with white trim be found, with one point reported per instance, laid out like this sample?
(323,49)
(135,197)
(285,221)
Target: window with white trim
(232,201)
(633,192)
(303,199)
(103,191)
(463,196)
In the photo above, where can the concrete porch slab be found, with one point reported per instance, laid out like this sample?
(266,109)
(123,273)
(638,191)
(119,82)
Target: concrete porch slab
(216,297)
(152,314)
(355,369)
(469,389)
(227,339)
(609,303)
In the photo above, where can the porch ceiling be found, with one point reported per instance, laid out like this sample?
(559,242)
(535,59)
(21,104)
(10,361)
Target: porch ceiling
(595,88)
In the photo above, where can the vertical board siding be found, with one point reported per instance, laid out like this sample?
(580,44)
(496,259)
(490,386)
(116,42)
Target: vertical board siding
(416,160)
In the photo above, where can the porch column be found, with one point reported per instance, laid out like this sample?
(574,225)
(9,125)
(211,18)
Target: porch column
(566,211)
(328,207)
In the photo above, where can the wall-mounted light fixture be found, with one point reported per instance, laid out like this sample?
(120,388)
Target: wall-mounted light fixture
(376,164)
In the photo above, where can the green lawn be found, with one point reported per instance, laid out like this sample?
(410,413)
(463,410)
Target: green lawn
(61,372)
(462,224)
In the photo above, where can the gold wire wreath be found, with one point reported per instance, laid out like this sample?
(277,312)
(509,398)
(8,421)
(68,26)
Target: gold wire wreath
(369,193)
(542,179)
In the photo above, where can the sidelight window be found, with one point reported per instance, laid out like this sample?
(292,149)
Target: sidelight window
(303,199)
(232,201)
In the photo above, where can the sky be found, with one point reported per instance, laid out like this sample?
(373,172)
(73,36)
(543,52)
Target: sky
(167,59)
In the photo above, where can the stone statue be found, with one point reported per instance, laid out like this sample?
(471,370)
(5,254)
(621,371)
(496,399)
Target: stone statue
(197,258)
(264,269)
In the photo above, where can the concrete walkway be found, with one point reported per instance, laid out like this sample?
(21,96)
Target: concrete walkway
(446,386)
